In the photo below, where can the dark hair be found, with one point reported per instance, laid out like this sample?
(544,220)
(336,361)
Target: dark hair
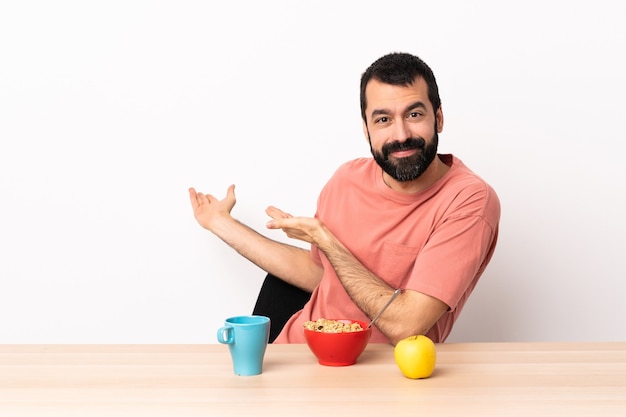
(400,69)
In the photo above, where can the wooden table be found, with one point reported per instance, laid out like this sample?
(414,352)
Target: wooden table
(493,379)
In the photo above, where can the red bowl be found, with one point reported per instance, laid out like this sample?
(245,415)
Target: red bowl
(338,349)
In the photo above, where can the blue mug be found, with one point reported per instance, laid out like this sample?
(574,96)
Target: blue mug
(247,338)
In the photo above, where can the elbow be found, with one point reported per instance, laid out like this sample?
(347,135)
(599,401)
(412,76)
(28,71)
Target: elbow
(404,333)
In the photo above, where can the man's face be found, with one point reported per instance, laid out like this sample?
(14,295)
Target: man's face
(402,128)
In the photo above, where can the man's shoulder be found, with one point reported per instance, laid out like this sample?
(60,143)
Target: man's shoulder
(352,174)
(469,189)
(358,163)
(464,177)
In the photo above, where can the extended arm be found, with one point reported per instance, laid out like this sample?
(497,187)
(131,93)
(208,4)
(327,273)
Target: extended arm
(290,263)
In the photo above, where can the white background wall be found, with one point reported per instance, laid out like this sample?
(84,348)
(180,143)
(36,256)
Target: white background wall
(109,111)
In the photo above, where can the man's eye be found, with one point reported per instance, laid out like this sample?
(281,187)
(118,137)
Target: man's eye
(414,114)
(381,120)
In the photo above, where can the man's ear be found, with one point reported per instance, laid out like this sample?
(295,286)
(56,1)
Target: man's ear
(366,132)
(439,118)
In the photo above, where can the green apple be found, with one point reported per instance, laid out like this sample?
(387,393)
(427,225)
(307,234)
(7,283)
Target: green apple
(416,356)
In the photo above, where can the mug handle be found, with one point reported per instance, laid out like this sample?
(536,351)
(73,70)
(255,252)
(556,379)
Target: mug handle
(229,338)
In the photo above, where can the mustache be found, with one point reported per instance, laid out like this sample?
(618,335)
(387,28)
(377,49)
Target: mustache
(410,143)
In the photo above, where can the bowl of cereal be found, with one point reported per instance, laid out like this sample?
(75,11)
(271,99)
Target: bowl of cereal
(337,342)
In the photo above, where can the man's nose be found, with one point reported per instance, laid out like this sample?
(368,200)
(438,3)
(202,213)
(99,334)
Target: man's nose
(400,131)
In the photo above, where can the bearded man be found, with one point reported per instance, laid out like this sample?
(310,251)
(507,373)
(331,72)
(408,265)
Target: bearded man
(408,218)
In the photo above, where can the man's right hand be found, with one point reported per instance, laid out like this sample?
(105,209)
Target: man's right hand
(207,209)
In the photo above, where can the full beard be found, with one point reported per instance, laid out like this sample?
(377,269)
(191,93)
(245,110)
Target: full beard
(410,167)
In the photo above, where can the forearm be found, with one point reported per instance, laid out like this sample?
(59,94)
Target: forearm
(367,290)
(288,262)
(410,313)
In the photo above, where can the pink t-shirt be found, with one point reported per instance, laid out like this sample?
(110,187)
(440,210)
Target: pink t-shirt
(437,241)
